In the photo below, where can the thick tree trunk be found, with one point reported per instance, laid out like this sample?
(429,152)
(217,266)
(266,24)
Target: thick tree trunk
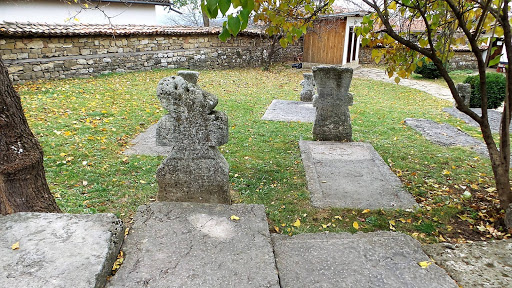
(23,184)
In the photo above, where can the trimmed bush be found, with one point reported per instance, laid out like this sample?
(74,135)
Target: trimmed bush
(496,85)
(427,70)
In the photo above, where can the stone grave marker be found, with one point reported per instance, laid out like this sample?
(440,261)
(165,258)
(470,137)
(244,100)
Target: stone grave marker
(332,121)
(464,90)
(308,88)
(195,170)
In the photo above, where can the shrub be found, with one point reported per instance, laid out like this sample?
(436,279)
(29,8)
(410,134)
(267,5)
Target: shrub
(427,70)
(496,85)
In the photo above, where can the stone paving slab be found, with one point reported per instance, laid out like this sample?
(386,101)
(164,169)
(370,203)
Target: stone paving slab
(145,144)
(478,264)
(58,250)
(289,111)
(380,259)
(198,245)
(446,135)
(351,175)
(494,117)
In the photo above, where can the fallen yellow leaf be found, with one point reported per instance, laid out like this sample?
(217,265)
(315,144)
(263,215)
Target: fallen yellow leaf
(446,172)
(355,225)
(366,211)
(16,246)
(392,225)
(425,264)
(296,223)
(234,218)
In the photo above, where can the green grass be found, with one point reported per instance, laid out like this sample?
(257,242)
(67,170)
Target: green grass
(84,125)
(458,76)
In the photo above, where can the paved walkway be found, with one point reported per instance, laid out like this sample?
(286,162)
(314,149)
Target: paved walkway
(427,87)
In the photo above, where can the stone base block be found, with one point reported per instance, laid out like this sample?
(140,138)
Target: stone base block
(194,180)
(58,250)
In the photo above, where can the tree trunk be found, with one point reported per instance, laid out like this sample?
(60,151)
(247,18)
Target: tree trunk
(206,20)
(23,184)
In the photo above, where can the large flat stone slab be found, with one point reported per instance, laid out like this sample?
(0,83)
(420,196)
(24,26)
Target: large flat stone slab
(351,175)
(145,144)
(289,111)
(494,117)
(446,135)
(478,264)
(379,259)
(198,245)
(58,250)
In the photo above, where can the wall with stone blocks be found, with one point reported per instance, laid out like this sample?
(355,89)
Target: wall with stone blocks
(461,60)
(83,56)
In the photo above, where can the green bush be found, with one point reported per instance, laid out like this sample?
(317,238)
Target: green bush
(427,70)
(496,84)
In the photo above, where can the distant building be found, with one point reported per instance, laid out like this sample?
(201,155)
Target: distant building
(332,39)
(60,12)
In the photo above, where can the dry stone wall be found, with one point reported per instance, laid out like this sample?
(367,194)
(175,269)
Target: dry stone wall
(82,56)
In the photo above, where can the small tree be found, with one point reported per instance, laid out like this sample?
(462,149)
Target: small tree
(448,23)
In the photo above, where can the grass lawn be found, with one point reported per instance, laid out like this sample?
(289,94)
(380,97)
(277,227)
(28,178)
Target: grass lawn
(84,125)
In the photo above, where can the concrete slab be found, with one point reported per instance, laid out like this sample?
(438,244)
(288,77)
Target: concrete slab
(351,175)
(145,144)
(198,245)
(379,259)
(289,111)
(446,135)
(58,250)
(478,264)
(494,117)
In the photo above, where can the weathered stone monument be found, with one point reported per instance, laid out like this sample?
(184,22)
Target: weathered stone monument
(332,121)
(308,88)
(195,170)
(464,90)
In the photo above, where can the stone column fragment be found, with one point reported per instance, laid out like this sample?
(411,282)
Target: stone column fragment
(308,88)
(195,170)
(464,90)
(332,121)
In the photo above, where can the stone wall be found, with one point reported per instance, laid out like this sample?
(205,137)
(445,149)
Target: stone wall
(461,60)
(83,56)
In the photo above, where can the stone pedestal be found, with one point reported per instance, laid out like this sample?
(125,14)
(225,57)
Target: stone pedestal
(308,88)
(464,90)
(332,121)
(195,170)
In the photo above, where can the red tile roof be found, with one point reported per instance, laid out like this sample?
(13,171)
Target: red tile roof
(16,29)
(152,2)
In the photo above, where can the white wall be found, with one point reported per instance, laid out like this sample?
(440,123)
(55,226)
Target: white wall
(55,11)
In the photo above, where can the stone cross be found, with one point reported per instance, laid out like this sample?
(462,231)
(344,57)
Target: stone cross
(308,88)
(332,122)
(464,90)
(195,170)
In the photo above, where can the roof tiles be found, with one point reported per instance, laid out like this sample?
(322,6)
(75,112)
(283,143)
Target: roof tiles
(17,29)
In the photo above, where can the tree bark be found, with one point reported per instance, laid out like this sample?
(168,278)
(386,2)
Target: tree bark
(23,186)
(206,20)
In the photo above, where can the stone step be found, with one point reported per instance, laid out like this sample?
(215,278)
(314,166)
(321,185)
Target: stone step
(351,175)
(174,244)
(58,250)
(378,259)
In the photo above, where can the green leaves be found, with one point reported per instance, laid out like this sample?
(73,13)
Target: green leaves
(224,6)
(210,8)
(234,25)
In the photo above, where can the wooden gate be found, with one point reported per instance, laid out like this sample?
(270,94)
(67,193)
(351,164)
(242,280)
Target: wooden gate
(324,42)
